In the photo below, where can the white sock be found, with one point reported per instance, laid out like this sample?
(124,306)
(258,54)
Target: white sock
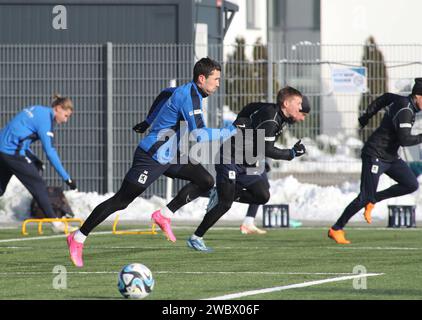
(249,221)
(79,237)
(166,212)
(194,237)
(57,224)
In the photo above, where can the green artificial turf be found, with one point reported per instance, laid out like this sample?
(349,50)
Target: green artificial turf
(239,263)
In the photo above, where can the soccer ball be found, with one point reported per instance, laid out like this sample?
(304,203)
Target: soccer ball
(135,281)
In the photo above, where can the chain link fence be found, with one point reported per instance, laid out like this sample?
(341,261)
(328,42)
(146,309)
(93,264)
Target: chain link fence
(113,86)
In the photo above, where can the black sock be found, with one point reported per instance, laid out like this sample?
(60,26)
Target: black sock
(225,201)
(188,193)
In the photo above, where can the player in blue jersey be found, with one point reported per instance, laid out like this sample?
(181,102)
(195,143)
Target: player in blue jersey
(157,154)
(156,106)
(16,158)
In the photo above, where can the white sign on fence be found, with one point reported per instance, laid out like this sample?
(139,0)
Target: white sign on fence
(349,80)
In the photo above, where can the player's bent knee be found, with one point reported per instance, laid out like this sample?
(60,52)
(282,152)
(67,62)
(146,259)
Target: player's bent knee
(414,186)
(262,197)
(207,182)
(363,200)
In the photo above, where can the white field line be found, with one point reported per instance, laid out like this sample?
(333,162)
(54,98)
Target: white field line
(292,286)
(231,248)
(373,248)
(182,272)
(55,236)
(225,247)
(180,227)
(63,236)
(183,247)
(335,248)
(144,226)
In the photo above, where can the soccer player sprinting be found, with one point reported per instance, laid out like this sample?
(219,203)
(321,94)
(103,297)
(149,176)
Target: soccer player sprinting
(155,153)
(248,225)
(248,182)
(16,158)
(380,155)
(201,181)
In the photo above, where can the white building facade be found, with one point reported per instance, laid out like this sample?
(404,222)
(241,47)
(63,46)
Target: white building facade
(335,32)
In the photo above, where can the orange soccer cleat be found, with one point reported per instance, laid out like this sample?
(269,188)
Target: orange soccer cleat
(338,236)
(367,213)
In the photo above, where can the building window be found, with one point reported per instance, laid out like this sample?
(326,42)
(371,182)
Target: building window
(252,14)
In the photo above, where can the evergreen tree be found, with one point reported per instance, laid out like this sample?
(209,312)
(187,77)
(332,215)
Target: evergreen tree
(373,60)
(237,72)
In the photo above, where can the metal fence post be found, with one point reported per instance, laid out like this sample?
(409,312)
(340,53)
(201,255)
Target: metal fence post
(109,103)
(270,73)
(169,181)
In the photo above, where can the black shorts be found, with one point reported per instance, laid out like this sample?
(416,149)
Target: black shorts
(145,170)
(373,168)
(240,174)
(27,173)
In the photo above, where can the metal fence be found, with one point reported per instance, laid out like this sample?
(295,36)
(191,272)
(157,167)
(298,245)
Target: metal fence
(30,74)
(113,85)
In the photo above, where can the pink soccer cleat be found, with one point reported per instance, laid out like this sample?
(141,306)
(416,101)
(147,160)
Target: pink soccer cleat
(164,224)
(75,250)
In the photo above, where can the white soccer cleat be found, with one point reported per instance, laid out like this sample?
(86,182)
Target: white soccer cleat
(251,229)
(198,244)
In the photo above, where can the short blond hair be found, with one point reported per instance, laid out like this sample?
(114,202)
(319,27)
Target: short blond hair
(65,102)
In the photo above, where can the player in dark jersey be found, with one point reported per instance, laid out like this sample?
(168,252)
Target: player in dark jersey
(245,181)
(248,225)
(380,155)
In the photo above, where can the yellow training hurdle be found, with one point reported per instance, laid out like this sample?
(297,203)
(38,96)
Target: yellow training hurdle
(41,221)
(115,231)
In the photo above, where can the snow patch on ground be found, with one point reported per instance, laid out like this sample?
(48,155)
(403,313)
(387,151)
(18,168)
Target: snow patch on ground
(306,202)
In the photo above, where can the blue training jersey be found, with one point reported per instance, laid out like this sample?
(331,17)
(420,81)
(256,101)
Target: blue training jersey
(158,103)
(185,104)
(29,125)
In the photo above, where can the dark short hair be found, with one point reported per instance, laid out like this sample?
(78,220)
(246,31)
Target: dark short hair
(286,93)
(205,66)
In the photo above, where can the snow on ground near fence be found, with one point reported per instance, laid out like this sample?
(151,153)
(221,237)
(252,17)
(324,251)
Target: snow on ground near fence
(307,202)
